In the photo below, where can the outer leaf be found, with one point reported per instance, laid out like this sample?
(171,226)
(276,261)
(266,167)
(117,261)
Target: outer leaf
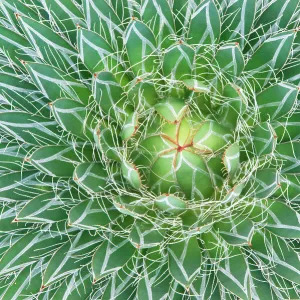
(278,217)
(74,117)
(45,208)
(236,230)
(75,287)
(141,48)
(205,24)
(184,260)
(70,257)
(111,256)
(49,46)
(274,250)
(264,139)
(59,161)
(122,283)
(29,128)
(276,16)
(232,269)
(91,176)
(102,19)
(146,234)
(162,25)
(55,84)
(269,59)
(276,101)
(27,250)
(183,55)
(238,26)
(263,183)
(289,153)
(230,60)
(66,16)
(110,96)
(92,214)
(26,282)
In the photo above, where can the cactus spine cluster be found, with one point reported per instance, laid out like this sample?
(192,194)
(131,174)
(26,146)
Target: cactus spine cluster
(149,149)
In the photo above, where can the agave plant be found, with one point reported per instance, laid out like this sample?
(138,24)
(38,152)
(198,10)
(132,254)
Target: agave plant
(149,149)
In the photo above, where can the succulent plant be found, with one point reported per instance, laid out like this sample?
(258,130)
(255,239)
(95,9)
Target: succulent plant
(149,149)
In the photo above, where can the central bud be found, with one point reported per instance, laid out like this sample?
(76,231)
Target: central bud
(179,152)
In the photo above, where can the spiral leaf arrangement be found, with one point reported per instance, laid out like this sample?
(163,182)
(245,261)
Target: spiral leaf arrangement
(149,149)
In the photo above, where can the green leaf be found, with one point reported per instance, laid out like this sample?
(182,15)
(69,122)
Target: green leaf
(278,217)
(170,204)
(97,54)
(12,157)
(183,55)
(60,161)
(235,230)
(11,184)
(101,18)
(121,284)
(211,137)
(75,287)
(131,174)
(15,46)
(92,214)
(45,208)
(262,184)
(276,16)
(107,139)
(229,59)
(231,159)
(130,205)
(49,46)
(268,59)
(146,234)
(162,176)
(238,25)
(275,252)
(276,101)
(264,139)
(171,109)
(205,25)
(66,15)
(29,128)
(196,86)
(26,282)
(289,154)
(29,248)
(141,48)
(13,7)
(74,117)
(110,96)
(156,282)
(130,126)
(111,256)
(55,84)
(91,176)
(232,107)
(70,257)
(184,260)
(193,176)
(22,95)
(162,25)
(232,270)
(287,128)
(290,187)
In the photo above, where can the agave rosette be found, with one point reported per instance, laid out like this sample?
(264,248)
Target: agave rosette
(149,149)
